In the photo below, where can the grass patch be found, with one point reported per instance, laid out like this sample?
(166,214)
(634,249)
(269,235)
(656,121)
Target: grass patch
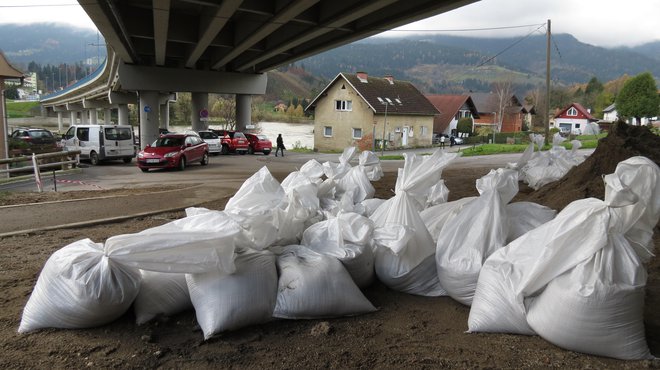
(488,149)
(22,109)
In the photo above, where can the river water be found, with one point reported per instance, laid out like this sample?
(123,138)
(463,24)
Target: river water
(294,134)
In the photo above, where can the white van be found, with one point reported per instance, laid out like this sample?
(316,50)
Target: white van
(101,142)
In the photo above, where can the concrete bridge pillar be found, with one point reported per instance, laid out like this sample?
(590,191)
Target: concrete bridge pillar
(73,117)
(107,116)
(84,117)
(60,122)
(122,114)
(199,115)
(149,121)
(243,111)
(165,100)
(93,117)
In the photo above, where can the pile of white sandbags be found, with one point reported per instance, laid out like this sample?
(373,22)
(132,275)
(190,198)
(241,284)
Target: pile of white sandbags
(549,166)
(578,280)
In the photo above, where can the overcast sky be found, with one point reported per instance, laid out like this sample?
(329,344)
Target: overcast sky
(606,23)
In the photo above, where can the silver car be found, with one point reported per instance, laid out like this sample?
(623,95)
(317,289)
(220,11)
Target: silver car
(213,140)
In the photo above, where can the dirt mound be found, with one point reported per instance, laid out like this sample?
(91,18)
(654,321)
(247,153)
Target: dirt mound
(585,180)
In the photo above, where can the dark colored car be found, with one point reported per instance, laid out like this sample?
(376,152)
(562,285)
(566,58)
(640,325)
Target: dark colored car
(36,140)
(232,142)
(259,143)
(174,151)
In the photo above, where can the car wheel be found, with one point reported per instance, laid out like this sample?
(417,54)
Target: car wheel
(182,163)
(250,150)
(242,152)
(93,158)
(144,169)
(205,159)
(266,152)
(127,159)
(224,150)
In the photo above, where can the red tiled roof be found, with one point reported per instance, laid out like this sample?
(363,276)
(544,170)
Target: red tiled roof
(448,105)
(580,109)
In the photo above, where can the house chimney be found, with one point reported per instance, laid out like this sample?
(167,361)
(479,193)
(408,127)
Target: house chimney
(362,76)
(390,78)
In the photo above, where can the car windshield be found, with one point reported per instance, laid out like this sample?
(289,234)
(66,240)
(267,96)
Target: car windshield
(169,141)
(208,135)
(37,134)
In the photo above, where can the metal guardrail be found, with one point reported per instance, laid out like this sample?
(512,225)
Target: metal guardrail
(36,167)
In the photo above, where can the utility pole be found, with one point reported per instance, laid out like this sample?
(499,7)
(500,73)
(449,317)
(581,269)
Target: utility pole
(547,85)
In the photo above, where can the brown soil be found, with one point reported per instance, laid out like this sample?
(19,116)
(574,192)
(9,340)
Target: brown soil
(407,332)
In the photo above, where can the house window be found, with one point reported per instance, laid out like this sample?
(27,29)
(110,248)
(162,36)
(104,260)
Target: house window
(572,112)
(327,131)
(425,130)
(577,125)
(357,133)
(343,105)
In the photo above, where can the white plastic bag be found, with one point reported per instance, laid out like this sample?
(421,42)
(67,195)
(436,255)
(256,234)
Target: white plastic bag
(474,233)
(313,285)
(230,301)
(345,237)
(370,164)
(436,216)
(578,280)
(526,216)
(88,284)
(161,294)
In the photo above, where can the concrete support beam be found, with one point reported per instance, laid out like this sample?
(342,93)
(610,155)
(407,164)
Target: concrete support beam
(134,77)
(122,98)
(122,114)
(84,117)
(149,122)
(165,115)
(199,103)
(93,117)
(60,122)
(73,117)
(95,104)
(243,111)
(107,116)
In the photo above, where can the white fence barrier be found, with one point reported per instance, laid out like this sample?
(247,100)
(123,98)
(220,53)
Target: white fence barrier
(66,158)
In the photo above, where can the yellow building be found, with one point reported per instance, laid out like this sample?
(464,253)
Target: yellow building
(355,108)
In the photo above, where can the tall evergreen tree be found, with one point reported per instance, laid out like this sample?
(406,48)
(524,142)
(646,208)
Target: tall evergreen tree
(639,98)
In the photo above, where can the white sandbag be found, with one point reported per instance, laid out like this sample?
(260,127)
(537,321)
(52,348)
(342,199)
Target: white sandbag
(336,170)
(313,285)
(370,206)
(474,233)
(346,238)
(577,280)
(435,217)
(88,284)
(310,172)
(439,193)
(160,294)
(356,181)
(403,264)
(302,210)
(370,164)
(526,216)
(225,301)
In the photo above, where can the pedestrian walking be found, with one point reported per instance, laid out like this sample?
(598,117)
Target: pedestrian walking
(442,141)
(280,145)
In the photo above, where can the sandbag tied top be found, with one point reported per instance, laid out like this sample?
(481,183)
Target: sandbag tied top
(310,173)
(420,173)
(336,170)
(461,250)
(259,193)
(313,285)
(370,164)
(578,281)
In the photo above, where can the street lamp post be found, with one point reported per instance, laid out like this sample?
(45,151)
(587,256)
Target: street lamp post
(382,144)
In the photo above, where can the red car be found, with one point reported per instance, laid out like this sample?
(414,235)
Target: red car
(259,143)
(174,151)
(232,142)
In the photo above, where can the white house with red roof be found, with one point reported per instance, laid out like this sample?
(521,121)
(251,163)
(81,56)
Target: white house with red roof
(573,119)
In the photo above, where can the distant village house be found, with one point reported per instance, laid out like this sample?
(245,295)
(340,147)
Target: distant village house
(574,119)
(513,114)
(358,107)
(452,108)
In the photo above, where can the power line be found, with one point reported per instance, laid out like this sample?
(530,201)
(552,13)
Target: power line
(468,29)
(509,47)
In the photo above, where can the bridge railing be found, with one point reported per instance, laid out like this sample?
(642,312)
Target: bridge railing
(64,159)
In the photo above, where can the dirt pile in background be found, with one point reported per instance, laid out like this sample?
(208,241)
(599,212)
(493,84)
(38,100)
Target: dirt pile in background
(585,181)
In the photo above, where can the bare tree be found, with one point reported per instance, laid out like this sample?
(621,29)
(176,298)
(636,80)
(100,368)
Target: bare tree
(503,92)
(225,108)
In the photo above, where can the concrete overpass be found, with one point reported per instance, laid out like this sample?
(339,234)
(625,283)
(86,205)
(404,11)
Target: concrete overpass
(159,47)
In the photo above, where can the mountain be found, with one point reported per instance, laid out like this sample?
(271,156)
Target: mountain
(453,64)
(49,43)
(651,49)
